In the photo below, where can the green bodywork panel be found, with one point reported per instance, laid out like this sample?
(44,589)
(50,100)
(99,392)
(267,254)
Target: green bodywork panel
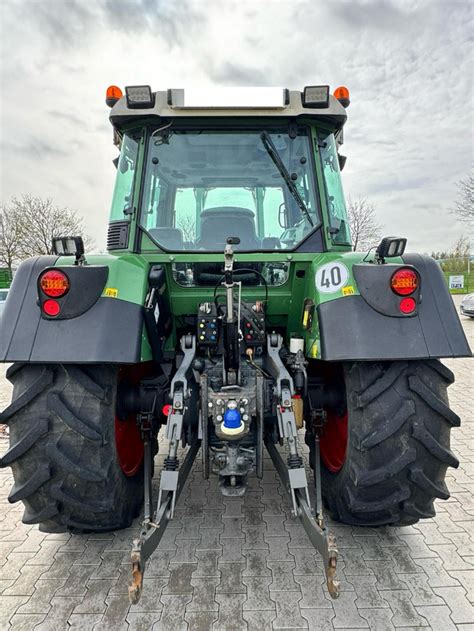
(128,280)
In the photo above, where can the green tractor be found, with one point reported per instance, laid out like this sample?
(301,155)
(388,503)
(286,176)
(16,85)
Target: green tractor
(229,313)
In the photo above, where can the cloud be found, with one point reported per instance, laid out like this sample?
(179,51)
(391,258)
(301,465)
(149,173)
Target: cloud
(408,64)
(172,21)
(235,74)
(370,14)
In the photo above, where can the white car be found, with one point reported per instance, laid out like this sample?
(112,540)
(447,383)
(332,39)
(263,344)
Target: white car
(3,299)
(467,306)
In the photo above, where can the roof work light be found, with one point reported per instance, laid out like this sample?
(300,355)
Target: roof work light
(316,96)
(139,96)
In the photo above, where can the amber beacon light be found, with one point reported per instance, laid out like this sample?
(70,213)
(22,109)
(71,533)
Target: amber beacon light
(342,95)
(112,95)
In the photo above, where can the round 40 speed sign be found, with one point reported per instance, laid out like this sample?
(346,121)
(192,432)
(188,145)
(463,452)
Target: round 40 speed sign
(331,277)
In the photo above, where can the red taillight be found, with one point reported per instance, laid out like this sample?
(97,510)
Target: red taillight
(51,308)
(404,282)
(166,409)
(54,283)
(407,305)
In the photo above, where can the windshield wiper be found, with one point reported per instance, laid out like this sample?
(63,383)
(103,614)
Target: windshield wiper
(275,156)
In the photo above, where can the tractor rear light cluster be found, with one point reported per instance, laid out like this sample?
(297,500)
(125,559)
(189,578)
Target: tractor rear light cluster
(404,282)
(54,283)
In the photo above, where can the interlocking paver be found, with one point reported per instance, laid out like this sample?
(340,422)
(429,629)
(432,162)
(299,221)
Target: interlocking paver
(115,615)
(24,622)
(466,579)
(142,621)
(207,564)
(437,575)
(180,578)
(282,576)
(150,601)
(231,578)
(368,596)
(438,617)
(94,600)
(15,561)
(313,592)
(307,561)
(378,618)
(231,551)
(422,594)
(76,580)
(452,560)
(405,614)
(58,615)
(237,563)
(288,610)
(258,594)
(230,608)
(25,584)
(210,539)
(256,563)
(9,607)
(204,591)
(455,597)
(261,620)
(200,620)
(40,601)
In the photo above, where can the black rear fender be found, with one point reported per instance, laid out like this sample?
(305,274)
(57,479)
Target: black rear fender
(371,326)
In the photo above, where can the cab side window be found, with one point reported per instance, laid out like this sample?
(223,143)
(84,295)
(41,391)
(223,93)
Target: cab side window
(336,204)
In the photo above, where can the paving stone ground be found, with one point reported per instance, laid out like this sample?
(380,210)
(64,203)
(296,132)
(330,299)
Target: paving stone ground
(231,564)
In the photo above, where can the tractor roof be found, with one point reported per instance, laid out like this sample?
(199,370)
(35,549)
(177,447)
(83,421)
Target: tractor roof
(224,103)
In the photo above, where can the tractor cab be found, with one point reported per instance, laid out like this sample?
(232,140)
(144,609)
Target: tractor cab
(265,171)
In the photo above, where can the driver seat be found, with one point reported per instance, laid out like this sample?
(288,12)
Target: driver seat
(221,222)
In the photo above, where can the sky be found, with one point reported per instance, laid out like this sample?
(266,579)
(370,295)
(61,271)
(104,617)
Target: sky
(408,65)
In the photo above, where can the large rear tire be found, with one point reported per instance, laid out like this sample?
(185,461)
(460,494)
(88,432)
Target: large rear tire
(63,450)
(398,436)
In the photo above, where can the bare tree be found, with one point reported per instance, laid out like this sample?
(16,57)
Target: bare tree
(365,230)
(464,205)
(188,227)
(40,220)
(456,259)
(11,232)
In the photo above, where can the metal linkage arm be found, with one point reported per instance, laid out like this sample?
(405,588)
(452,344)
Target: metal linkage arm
(287,428)
(172,479)
(152,532)
(317,533)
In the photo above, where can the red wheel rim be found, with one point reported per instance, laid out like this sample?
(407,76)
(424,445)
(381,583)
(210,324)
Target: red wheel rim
(333,442)
(128,439)
(129,445)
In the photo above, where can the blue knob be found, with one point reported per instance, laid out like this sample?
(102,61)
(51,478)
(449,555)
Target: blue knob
(232,419)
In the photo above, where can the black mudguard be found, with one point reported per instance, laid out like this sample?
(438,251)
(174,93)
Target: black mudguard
(109,331)
(360,327)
